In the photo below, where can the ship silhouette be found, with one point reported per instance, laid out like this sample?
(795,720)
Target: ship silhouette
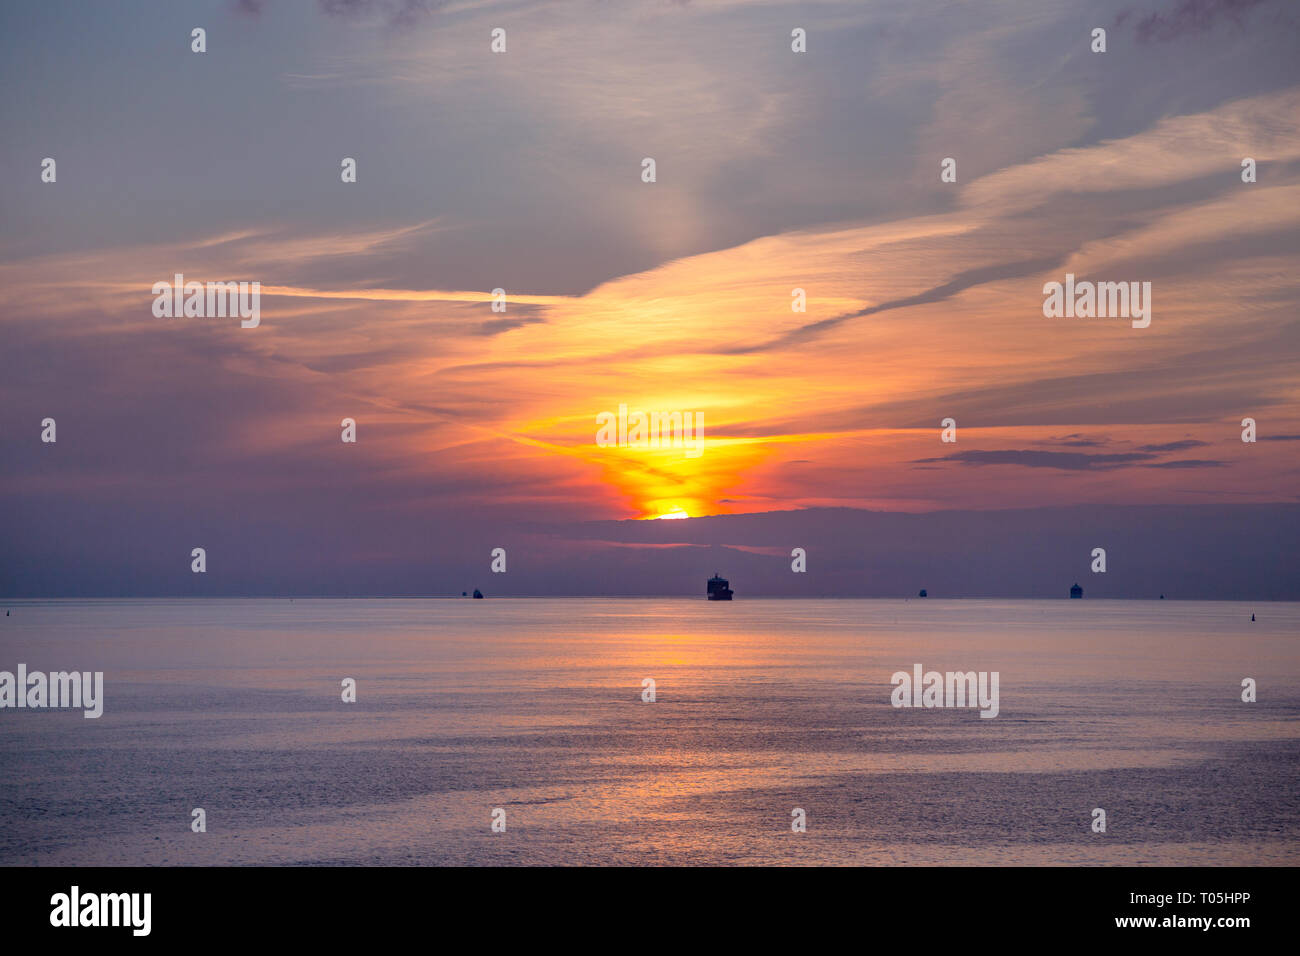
(719,588)
(1076,591)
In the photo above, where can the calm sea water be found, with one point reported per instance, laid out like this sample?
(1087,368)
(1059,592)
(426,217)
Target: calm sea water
(534,706)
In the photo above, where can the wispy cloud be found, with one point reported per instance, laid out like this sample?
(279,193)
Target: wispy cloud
(1182,445)
(1185,17)
(1066,461)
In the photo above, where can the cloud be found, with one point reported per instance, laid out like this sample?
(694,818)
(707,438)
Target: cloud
(1066,461)
(1076,441)
(1174,445)
(1190,16)
(497,326)
(1177,148)
(396,12)
(958,283)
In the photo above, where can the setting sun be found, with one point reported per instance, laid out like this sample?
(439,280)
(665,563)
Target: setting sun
(675,513)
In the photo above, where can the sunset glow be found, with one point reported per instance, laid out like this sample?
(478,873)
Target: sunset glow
(796,304)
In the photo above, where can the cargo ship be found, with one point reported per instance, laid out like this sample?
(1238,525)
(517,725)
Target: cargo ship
(719,588)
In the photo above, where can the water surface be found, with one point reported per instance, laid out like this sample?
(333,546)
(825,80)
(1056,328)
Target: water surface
(534,706)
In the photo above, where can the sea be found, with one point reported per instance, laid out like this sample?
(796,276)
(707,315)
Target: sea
(653,732)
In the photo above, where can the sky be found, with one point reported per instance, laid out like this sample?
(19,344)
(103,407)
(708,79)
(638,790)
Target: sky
(775,170)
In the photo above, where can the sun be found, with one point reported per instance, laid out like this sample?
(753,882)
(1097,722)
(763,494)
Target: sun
(678,512)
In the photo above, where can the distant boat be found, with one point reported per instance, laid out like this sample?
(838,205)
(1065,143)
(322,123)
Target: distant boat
(719,588)
(923,594)
(478,593)
(1076,591)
